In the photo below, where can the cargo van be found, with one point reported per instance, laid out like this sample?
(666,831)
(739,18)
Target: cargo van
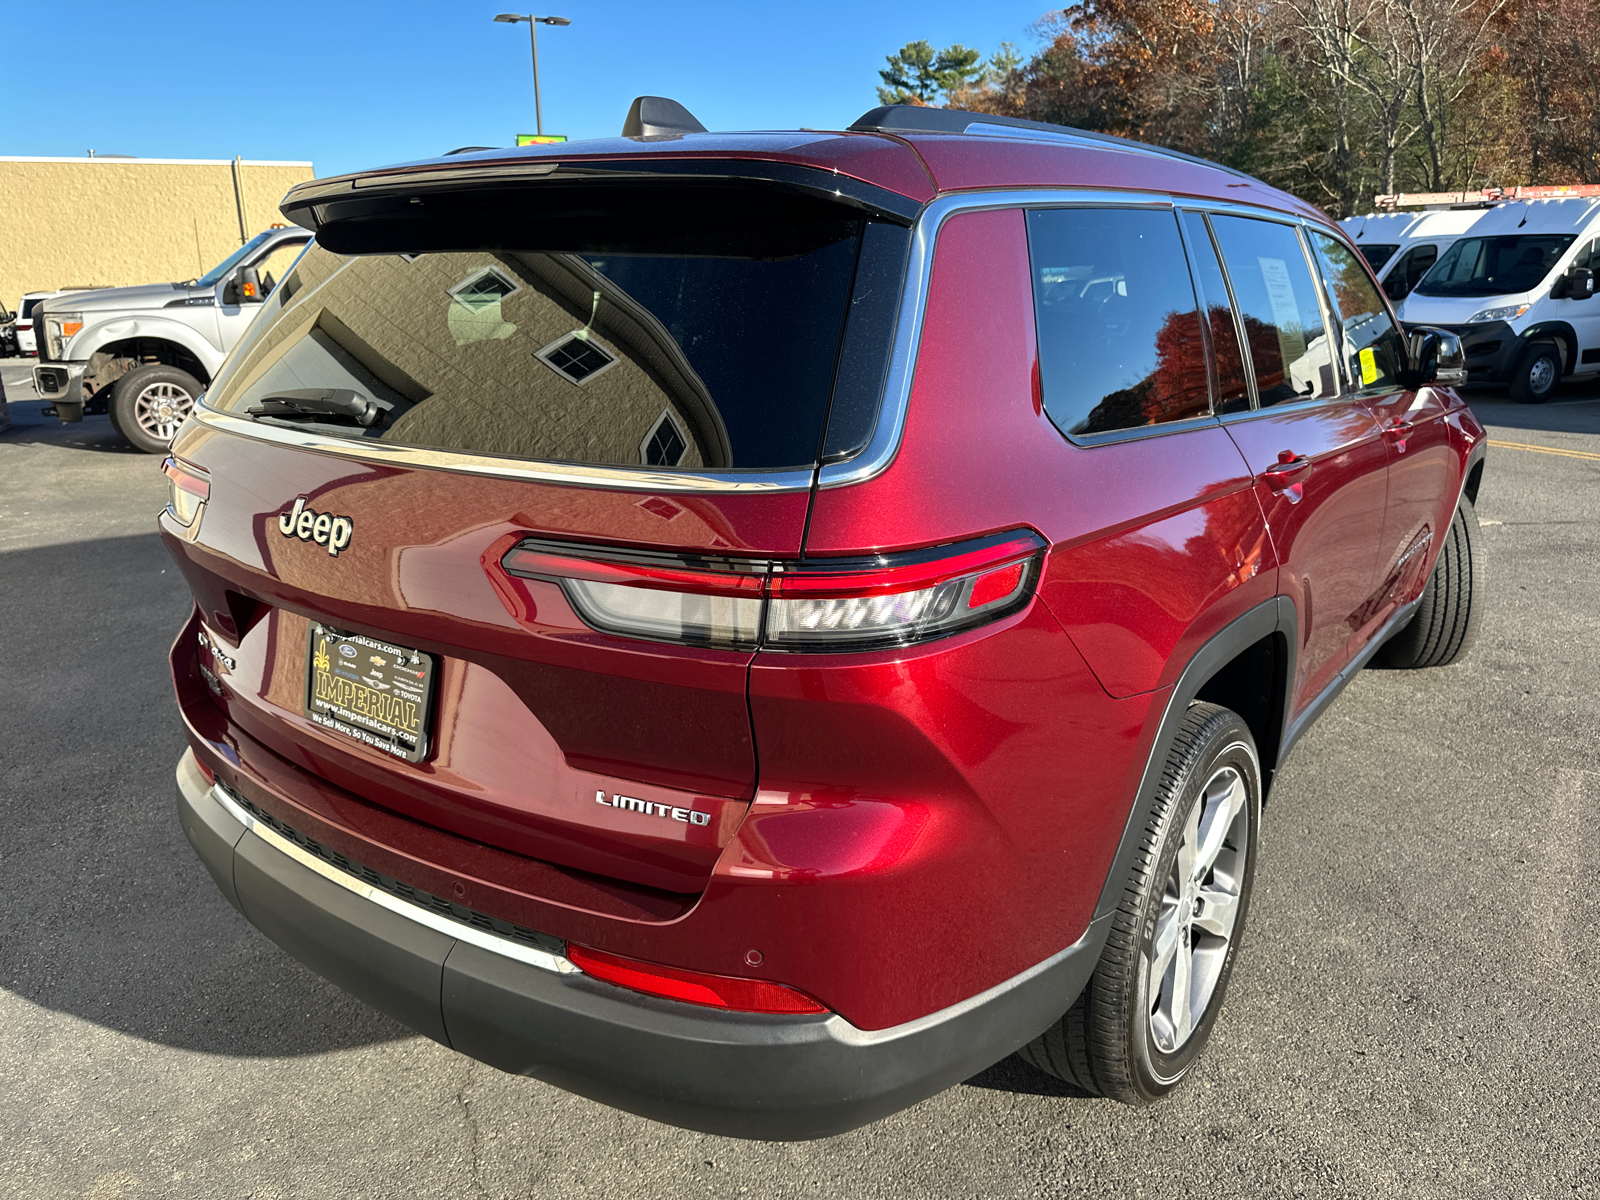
(1518,290)
(1401,263)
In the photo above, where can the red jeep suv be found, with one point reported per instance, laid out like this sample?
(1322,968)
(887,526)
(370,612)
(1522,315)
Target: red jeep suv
(754,628)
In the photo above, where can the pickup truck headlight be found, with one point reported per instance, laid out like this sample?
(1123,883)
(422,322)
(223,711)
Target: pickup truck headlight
(1509,313)
(60,328)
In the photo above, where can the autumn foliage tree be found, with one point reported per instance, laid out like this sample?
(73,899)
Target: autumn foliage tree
(1332,99)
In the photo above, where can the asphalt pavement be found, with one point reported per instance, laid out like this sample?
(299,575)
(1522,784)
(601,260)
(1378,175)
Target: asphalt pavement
(1416,1011)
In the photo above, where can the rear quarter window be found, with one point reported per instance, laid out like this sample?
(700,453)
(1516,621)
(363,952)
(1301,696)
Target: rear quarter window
(1119,330)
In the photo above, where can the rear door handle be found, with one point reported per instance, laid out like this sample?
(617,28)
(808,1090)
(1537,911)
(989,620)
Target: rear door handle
(1290,469)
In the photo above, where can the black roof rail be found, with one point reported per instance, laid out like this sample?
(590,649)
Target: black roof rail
(468,150)
(914,118)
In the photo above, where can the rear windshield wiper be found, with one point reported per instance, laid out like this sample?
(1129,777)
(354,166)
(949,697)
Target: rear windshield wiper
(319,402)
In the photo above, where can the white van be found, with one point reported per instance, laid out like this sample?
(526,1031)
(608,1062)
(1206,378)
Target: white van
(1403,246)
(1519,291)
(1378,235)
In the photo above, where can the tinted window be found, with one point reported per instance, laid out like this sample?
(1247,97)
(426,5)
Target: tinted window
(616,357)
(1119,335)
(1372,346)
(1494,266)
(1589,256)
(1378,253)
(27,309)
(1233,393)
(1409,270)
(1272,284)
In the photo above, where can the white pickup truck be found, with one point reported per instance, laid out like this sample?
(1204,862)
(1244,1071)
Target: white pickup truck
(144,354)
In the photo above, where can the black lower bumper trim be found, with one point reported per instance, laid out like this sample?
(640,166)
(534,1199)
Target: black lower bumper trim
(737,1074)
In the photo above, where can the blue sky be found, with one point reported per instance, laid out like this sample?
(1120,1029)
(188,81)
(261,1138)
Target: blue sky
(352,85)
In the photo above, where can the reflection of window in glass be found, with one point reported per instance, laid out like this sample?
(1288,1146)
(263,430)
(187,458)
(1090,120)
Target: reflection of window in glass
(1409,271)
(1233,393)
(1373,347)
(1282,321)
(575,357)
(474,314)
(664,445)
(1119,332)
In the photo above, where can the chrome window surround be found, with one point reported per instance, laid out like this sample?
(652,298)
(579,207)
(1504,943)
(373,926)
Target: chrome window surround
(885,442)
(871,460)
(462,932)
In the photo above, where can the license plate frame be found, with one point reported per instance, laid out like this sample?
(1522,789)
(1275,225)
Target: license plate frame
(354,682)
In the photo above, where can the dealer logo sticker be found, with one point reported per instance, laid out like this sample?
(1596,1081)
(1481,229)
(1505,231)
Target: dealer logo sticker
(324,529)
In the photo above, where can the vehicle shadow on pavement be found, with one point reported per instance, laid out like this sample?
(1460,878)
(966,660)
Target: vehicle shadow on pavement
(1011,1074)
(109,917)
(30,427)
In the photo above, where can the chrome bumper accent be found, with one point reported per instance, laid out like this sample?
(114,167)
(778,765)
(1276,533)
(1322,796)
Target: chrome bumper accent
(493,943)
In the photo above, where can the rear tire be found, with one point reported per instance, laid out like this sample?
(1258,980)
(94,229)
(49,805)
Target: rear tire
(1451,607)
(148,404)
(1148,1010)
(1537,374)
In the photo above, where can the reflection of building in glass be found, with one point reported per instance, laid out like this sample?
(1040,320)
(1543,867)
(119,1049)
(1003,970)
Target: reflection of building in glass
(534,355)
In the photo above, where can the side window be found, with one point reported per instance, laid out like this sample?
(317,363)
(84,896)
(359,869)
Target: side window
(1589,256)
(273,266)
(1373,348)
(1410,270)
(1233,394)
(1272,284)
(1119,334)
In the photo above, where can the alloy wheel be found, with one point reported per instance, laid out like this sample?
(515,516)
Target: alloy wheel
(161,408)
(1199,910)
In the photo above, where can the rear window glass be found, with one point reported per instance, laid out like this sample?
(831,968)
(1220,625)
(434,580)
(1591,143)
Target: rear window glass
(574,353)
(1278,301)
(27,309)
(1119,333)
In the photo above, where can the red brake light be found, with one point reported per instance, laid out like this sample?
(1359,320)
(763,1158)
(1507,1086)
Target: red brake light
(996,585)
(692,987)
(817,605)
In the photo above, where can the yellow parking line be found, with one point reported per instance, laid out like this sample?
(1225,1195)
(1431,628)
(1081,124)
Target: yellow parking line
(1546,450)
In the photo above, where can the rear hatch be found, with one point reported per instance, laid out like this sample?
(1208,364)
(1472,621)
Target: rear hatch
(471,405)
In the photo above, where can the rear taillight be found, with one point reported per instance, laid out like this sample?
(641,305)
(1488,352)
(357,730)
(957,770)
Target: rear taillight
(694,987)
(815,605)
(187,489)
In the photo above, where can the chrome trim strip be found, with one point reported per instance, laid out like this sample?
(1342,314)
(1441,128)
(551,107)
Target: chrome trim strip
(505,947)
(571,474)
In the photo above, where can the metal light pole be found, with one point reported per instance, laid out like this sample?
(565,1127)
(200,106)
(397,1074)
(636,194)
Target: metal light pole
(533,44)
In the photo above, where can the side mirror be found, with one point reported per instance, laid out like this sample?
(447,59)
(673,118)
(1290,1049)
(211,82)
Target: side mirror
(1437,359)
(249,284)
(7,317)
(1580,283)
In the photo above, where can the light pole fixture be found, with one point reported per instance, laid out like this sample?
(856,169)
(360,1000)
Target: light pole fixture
(533,43)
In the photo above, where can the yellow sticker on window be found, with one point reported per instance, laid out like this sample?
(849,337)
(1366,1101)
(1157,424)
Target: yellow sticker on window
(1369,367)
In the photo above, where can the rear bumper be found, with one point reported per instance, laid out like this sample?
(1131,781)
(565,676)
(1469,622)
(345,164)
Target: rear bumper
(526,1010)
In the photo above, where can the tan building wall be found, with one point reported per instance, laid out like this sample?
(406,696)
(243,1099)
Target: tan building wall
(109,222)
